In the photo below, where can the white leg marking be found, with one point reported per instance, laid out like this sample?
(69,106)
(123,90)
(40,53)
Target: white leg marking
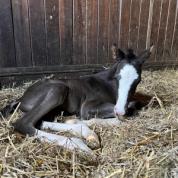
(97,121)
(72,121)
(103,122)
(127,76)
(78,129)
(65,142)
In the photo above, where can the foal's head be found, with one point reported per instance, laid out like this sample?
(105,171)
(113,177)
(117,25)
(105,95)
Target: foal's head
(128,76)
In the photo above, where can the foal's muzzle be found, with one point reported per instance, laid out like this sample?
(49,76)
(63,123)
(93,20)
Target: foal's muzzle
(118,112)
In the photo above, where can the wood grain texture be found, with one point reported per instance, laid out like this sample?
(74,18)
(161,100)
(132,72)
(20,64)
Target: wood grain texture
(7,47)
(22,33)
(114,25)
(134,24)
(142,35)
(125,21)
(174,46)
(49,33)
(52,31)
(162,30)
(66,31)
(38,32)
(155,25)
(103,35)
(79,32)
(92,31)
(169,30)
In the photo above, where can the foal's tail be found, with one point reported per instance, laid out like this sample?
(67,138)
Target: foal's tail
(9,109)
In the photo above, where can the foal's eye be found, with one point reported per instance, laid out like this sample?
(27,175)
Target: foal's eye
(117,77)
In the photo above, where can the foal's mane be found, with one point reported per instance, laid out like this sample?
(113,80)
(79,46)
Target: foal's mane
(130,54)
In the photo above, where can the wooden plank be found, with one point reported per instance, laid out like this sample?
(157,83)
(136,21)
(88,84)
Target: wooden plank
(66,31)
(49,69)
(103,34)
(162,30)
(38,32)
(142,35)
(79,32)
(7,47)
(92,31)
(114,25)
(52,31)
(157,10)
(174,45)
(150,19)
(22,33)
(134,24)
(170,31)
(72,70)
(125,20)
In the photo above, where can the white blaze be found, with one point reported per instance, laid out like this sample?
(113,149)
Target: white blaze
(127,76)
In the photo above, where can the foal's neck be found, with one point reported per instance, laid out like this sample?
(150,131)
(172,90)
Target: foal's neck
(112,70)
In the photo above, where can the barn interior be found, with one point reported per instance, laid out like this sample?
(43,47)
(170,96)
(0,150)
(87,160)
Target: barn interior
(72,38)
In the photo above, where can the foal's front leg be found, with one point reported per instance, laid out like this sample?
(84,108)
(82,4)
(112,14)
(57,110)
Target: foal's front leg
(96,121)
(98,114)
(91,109)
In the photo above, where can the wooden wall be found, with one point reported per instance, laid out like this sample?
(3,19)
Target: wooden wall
(38,36)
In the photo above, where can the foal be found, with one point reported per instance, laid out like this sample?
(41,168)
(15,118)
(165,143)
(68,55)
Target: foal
(106,94)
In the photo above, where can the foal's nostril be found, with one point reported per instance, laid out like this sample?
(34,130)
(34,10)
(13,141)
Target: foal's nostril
(118,112)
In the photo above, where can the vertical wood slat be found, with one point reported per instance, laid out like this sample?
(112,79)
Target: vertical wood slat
(174,42)
(114,25)
(162,30)
(103,34)
(150,19)
(38,32)
(92,31)
(66,31)
(52,32)
(7,47)
(22,33)
(125,21)
(155,25)
(79,32)
(169,30)
(142,34)
(134,24)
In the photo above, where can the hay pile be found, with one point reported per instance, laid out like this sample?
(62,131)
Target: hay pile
(143,146)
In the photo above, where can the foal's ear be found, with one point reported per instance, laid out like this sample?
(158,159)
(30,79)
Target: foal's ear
(120,54)
(117,54)
(114,51)
(145,55)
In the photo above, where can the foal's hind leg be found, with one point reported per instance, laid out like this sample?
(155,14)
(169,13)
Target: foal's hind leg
(53,98)
(26,125)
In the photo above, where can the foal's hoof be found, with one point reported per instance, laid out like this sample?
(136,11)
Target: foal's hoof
(78,145)
(93,141)
(91,137)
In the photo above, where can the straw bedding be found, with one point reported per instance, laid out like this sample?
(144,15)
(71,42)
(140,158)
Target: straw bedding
(145,145)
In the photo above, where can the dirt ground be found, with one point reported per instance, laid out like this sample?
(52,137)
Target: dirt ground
(145,145)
